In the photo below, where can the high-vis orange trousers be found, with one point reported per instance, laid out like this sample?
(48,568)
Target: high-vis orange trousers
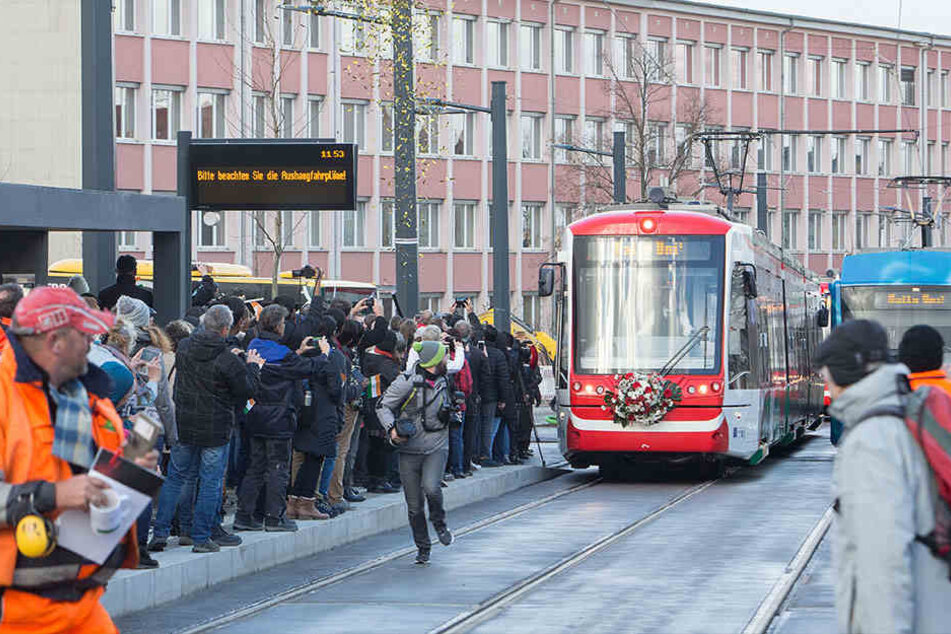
(24,613)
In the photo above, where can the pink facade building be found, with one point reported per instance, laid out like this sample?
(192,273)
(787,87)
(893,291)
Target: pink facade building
(244,68)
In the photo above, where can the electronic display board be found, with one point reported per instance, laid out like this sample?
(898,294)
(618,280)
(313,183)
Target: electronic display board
(238,174)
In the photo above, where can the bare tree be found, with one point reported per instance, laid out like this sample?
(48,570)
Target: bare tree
(640,87)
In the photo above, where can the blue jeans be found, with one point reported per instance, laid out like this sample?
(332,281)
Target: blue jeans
(500,450)
(490,426)
(455,449)
(326,473)
(187,463)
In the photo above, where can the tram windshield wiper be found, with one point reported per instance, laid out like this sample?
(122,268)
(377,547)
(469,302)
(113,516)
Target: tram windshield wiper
(684,350)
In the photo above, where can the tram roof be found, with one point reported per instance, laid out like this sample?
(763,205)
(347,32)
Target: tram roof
(915,266)
(625,220)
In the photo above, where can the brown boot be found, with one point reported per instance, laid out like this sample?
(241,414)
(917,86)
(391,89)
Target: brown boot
(293,507)
(307,511)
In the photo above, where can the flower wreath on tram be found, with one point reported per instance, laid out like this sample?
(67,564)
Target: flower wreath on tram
(641,399)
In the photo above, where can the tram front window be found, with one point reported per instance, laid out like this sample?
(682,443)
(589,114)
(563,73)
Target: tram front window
(638,300)
(898,308)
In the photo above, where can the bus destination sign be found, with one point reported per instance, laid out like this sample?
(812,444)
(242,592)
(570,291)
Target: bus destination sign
(912,298)
(258,175)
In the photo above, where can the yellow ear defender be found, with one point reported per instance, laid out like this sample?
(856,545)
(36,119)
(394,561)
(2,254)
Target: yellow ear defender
(35,534)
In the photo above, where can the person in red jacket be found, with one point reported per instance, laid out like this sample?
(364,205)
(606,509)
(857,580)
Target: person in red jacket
(54,416)
(922,350)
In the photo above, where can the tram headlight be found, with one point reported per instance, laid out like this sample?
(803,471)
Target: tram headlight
(691,389)
(600,389)
(702,389)
(648,225)
(715,386)
(589,389)
(576,386)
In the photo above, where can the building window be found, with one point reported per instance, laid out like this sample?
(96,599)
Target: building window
(741,214)
(740,68)
(125,112)
(353,37)
(211,115)
(427,134)
(287,28)
(265,229)
(815,76)
(211,19)
(463,134)
(656,62)
(258,115)
(684,62)
(314,107)
(684,148)
(945,167)
(260,20)
(657,143)
(861,155)
(287,116)
(791,74)
(711,65)
(463,225)
(863,223)
(314,232)
(354,226)
(908,158)
(386,127)
(212,235)
(764,153)
(594,53)
(932,87)
(931,158)
(426,36)
(564,212)
(814,154)
(884,157)
(530,46)
(314,32)
(625,48)
(838,230)
(838,155)
(497,45)
(166,113)
(886,77)
(862,91)
(907,86)
(531,309)
(790,150)
(123,18)
(166,17)
(791,230)
(354,121)
(563,134)
(564,50)
(594,133)
(839,75)
(126,239)
(387,223)
(463,40)
(945,87)
(765,70)
(815,230)
(428,218)
(532,136)
(531,225)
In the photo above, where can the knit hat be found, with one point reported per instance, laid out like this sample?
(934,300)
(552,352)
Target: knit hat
(135,311)
(430,353)
(388,344)
(79,284)
(850,348)
(921,349)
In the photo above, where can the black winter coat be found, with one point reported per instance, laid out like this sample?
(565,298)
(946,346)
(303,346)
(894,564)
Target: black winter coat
(125,285)
(498,386)
(210,381)
(320,421)
(478,366)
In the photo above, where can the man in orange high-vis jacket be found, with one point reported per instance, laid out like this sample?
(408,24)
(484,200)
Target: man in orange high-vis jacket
(53,418)
(922,350)
(10,296)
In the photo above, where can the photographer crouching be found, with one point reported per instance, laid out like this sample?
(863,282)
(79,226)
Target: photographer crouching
(415,411)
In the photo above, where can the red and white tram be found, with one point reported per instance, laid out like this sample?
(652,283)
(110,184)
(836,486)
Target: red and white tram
(643,283)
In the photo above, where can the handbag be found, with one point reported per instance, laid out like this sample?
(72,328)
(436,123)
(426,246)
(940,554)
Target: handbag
(405,427)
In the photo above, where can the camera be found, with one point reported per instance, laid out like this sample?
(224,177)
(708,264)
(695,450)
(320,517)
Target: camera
(305,271)
(370,302)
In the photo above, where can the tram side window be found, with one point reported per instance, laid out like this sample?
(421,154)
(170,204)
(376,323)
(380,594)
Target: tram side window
(739,341)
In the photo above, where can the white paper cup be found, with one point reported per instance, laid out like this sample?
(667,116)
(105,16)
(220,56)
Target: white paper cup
(107,518)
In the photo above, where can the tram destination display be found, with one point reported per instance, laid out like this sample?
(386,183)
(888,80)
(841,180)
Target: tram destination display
(256,175)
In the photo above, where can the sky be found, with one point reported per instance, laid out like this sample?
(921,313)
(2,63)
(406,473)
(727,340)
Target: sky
(930,16)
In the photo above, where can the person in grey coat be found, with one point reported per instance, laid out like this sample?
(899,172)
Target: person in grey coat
(886,580)
(423,397)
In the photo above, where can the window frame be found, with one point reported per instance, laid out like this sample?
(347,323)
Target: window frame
(358,218)
(217,9)
(500,56)
(886,167)
(740,56)
(172,19)
(359,118)
(218,109)
(175,107)
(814,238)
(863,81)
(814,154)
(839,81)
(594,60)
(464,38)
(124,16)
(564,50)
(764,70)
(428,233)
(217,232)
(713,62)
(908,89)
(462,127)
(535,122)
(791,74)
(862,152)
(816,85)
(534,233)
(125,116)
(533,63)
(314,225)
(467,208)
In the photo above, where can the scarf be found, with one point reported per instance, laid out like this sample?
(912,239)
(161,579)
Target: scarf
(72,429)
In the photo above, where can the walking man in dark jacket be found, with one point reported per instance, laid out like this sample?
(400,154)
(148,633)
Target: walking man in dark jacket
(478,366)
(496,394)
(210,380)
(126,268)
(272,422)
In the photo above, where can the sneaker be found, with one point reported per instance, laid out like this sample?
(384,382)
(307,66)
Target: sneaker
(326,509)
(443,483)
(340,507)
(158,544)
(223,538)
(185,540)
(386,487)
(145,559)
(353,496)
(445,536)
(449,477)
(282,525)
(247,524)
(206,547)
(468,474)
(491,463)
(422,557)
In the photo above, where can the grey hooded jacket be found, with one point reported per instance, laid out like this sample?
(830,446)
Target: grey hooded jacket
(391,407)
(885,580)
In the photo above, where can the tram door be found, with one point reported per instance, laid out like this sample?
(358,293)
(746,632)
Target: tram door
(741,399)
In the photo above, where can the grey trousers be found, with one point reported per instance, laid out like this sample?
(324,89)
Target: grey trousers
(421,474)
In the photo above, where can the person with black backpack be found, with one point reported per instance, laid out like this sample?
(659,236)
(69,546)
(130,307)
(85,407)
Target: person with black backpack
(887,505)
